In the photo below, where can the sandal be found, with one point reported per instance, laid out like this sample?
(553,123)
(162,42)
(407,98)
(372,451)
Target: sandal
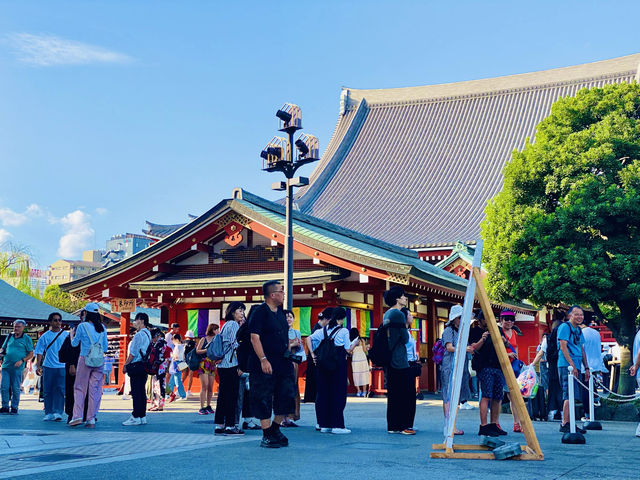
(458,432)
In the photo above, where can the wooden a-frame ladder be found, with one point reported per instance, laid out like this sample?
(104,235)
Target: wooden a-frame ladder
(531,451)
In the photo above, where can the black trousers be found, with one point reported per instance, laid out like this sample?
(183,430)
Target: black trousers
(331,397)
(555,389)
(139,395)
(310,384)
(69,397)
(401,399)
(227,396)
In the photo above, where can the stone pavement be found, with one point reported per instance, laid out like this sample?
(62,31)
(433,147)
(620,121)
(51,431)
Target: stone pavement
(179,443)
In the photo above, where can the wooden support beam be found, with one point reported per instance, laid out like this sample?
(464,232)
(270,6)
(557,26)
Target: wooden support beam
(514,389)
(201,247)
(481,456)
(164,268)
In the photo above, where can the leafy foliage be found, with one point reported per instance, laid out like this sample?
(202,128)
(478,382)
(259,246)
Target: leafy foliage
(566,226)
(54,296)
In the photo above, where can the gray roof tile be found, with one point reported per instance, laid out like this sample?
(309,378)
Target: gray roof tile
(416,166)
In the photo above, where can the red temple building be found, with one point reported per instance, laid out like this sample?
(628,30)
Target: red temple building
(405,177)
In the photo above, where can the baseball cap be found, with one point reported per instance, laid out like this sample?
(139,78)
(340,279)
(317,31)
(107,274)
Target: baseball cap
(189,334)
(92,307)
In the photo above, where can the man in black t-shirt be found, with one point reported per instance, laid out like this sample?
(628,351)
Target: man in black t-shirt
(271,374)
(485,363)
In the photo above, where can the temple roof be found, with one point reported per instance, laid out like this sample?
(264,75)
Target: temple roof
(335,240)
(416,166)
(16,304)
(156,230)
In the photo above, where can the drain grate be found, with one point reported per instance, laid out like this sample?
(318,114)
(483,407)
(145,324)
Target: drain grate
(52,457)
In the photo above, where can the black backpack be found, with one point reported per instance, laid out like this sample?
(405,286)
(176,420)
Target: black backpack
(327,354)
(380,353)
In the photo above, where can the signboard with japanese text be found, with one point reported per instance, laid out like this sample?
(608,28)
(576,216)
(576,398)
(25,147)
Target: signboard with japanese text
(123,305)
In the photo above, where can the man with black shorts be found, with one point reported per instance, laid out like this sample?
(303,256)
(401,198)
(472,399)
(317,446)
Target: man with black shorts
(271,374)
(485,362)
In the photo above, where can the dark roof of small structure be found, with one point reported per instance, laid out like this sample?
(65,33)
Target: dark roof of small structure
(16,304)
(416,166)
(156,230)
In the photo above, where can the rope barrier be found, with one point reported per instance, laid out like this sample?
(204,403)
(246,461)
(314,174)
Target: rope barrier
(624,399)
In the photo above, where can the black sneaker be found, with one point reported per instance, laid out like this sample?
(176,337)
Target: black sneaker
(13,411)
(209,409)
(219,431)
(203,411)
(4,410)
(566,428)
(269,441)
(233,431)
(497,429)
(279,436)
(245,426)
(487,431)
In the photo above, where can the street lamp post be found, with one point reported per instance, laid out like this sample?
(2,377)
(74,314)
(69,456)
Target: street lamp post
(278,157)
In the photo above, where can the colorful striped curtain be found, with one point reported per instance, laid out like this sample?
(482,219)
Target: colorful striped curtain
(302,320)
(360,319)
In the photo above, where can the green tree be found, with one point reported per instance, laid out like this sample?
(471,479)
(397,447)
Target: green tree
(566,225)
(15,267)
(54,296)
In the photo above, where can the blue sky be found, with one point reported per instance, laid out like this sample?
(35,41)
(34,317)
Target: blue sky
(117,112)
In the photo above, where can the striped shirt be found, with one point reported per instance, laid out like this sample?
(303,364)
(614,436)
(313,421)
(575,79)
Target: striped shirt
(229,344)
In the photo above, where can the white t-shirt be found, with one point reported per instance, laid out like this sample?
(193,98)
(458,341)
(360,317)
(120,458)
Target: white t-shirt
(636,349)
(593,350)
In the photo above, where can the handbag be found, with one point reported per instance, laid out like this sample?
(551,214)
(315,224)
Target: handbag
(135,369)
(182,366)
(415,368)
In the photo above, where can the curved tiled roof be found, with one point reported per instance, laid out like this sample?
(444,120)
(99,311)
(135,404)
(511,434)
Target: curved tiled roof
(415,166)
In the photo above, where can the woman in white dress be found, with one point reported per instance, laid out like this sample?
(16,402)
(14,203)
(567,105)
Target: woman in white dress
(360,364)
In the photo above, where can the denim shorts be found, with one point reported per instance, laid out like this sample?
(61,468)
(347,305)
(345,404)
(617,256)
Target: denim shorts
(563,373)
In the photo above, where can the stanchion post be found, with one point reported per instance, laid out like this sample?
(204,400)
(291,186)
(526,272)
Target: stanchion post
(572,437)
(591,424)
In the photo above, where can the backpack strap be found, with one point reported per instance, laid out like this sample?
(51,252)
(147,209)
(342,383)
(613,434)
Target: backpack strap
(6,341)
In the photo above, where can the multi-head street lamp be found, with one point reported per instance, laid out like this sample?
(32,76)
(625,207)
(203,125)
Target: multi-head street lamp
(278,156)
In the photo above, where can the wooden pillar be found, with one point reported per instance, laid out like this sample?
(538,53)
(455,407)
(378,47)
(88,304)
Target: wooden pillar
(377,375)
(125,326)
(432,333)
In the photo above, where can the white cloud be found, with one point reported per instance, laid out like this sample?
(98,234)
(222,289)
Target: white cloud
(101,211)
(78,234)
(11,218)
(48,50)
(4,236)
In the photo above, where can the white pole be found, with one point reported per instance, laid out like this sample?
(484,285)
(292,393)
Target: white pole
(572,411)
(592,414)
(461,350)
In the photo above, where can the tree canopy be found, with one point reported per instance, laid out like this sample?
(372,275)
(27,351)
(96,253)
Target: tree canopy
(566,225)
(54,296)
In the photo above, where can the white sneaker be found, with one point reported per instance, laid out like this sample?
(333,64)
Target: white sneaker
(132,421)
(143,420)
(57,417)
(48,417)
(189,394)
(325,430)
(638,431)
(125,397)
(466,406)
(340,431)
(317,427)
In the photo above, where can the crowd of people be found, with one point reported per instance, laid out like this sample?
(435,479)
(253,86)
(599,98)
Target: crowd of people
(257,361)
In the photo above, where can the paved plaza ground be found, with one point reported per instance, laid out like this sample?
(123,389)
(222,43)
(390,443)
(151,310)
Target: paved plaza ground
(178,443)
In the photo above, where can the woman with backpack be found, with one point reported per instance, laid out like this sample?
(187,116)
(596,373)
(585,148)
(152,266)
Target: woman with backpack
(91,335)
(162,353)
(329,347)
(225,416)
(134,366)
(207,370)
